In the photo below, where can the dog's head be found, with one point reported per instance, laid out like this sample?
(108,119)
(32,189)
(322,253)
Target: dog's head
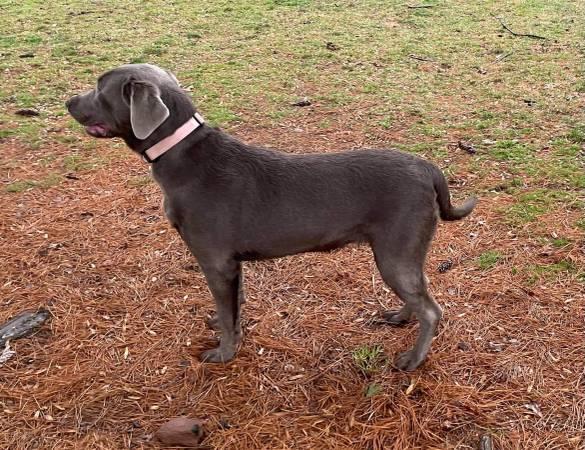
(131,102)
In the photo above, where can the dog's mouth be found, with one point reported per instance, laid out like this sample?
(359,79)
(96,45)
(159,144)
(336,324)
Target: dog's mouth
(98,130)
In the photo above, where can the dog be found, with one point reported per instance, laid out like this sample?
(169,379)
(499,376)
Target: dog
(232,202)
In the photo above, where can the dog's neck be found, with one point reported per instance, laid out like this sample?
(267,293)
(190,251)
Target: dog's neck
(183,112)
(161,147)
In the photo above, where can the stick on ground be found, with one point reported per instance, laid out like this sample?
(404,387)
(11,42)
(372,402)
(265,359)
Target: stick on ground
(533,36)
(421,58)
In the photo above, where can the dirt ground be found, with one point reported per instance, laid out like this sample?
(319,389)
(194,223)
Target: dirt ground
(128,306)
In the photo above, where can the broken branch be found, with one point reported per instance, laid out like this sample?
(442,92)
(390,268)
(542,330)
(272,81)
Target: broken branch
(513,33)
(420,58)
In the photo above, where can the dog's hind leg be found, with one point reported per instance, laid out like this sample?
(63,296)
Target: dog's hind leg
(400,262)
(407,281)
(224,280)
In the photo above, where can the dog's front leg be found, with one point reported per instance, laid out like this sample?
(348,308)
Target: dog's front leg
(223,279)
(213,321)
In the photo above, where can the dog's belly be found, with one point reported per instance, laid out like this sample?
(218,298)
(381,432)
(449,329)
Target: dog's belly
(280,248)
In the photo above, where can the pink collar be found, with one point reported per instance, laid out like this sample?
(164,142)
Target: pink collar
(163,146)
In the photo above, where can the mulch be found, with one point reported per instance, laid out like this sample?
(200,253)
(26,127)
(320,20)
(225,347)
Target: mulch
(128,303)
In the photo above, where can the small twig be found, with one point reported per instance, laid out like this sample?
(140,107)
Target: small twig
(533,36)
(419,6)
(503,56)
(420,58)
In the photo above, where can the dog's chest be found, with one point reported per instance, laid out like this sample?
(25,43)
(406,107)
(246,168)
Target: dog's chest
(168,211)
(166,204)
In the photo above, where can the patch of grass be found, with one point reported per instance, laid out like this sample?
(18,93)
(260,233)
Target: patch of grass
(139,181)
(76,163)
(336,99)
(33,39)
(369,358)
(372,389)
(549,271)
(577,134)
(20,186)
(6,133)
(489,259)
(67,139)
(30,131)
(386,123)
(430,130)
(510,150)
(561,242)
(64,51)
(580,223)
(486,115)
(563,168)
(159,47)
(370,88)
(50,180)
(7,41)
(220,115)
(25,99)
(529,206)
(423,147)
(524,212)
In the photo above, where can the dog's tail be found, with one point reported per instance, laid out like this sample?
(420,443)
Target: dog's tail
(446,210)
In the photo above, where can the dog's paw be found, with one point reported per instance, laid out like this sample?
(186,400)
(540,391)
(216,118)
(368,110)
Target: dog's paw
(217,355)
(408,360)
(394,318)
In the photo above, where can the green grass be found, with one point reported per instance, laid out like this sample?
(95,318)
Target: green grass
(561,242)
(245,62)
(238,54)
(511,150)
(80,162)
(530,206)
(489,259)
(50,180)
(369,358)
(577,134)
(564,267)
(372,389)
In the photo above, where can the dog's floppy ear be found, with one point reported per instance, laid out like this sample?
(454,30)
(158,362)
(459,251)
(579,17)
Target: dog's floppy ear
(147,110)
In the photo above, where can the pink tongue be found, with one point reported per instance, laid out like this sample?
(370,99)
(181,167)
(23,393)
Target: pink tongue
(96,130)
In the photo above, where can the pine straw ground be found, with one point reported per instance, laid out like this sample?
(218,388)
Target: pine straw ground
(119,356)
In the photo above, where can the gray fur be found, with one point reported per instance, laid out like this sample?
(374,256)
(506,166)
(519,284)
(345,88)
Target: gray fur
(147,110)
(233,202)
